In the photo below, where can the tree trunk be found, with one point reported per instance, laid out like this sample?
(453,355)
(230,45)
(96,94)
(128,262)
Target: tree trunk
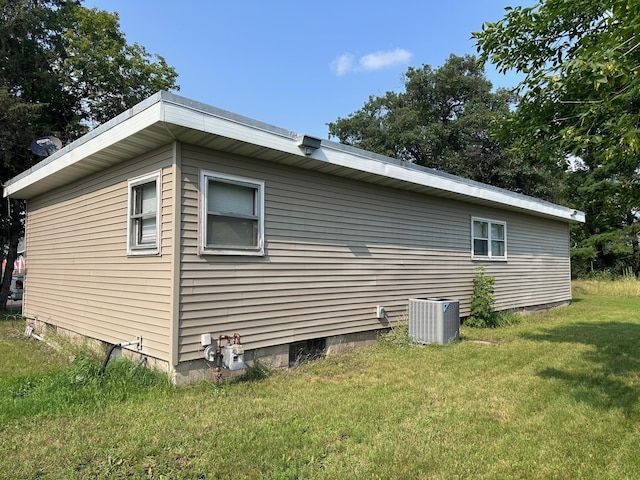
(635,243)
(12,254)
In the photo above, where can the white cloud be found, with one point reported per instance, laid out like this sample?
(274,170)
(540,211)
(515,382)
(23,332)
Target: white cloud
(382,59)
(346,63)
(342,64)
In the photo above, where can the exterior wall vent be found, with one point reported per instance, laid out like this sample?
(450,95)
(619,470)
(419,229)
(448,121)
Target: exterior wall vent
(434,320)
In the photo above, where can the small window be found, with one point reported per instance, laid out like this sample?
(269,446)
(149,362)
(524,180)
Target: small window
(232,215)
(488,239)
(144,215)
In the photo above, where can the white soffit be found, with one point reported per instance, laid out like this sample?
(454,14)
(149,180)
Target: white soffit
(206,121)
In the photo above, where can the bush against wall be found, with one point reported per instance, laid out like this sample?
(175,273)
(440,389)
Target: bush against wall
(482,313)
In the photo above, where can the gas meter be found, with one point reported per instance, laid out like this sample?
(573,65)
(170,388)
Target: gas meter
(233,357)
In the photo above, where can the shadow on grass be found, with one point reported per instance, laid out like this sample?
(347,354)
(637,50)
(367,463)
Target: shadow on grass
(610,377)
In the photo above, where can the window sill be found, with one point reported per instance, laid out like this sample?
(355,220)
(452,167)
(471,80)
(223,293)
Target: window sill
(230,252)
(488,259)
(144,253)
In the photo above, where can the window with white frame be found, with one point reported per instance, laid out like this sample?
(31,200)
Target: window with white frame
(232,215)
(488,239)
(143,229)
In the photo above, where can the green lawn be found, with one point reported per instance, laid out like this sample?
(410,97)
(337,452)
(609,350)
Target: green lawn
(556,396)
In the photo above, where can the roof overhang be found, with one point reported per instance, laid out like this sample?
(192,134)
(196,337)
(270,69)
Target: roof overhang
(165,117)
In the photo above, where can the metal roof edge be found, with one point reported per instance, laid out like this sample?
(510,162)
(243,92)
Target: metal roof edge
(204,108)
(430,177)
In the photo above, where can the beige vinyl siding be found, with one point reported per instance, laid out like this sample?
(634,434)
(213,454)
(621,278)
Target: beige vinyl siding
(335,248)
(79,276)
(538,269)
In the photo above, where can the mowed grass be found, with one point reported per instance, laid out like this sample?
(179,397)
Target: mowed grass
(556,396)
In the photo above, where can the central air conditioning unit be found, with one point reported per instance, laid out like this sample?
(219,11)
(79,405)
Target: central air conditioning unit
(434,320)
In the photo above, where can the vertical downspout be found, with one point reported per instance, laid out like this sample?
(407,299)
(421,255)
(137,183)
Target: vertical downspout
(176,266)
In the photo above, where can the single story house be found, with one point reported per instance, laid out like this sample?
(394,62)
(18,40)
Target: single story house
(176,221)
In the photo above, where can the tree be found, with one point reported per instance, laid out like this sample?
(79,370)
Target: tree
(441,120)
(580,64)
(64,70)
(108,75)
(16,120)
(580,97)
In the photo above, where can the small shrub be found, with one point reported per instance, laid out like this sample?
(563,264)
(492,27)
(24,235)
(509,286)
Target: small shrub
(506,319)
(254,372)
(482,313)
(398,336)
(600,275)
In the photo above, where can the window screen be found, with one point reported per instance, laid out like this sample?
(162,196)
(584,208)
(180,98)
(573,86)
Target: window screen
(233,217)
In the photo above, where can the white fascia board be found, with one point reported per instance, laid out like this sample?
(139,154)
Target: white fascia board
(230,128)
(67,159)
(245,131)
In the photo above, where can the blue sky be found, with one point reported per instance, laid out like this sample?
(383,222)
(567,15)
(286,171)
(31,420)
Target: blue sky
(299,65)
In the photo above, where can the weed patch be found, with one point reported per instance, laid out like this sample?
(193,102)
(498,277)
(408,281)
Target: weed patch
(397,337)
(39,381)
(627,287)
